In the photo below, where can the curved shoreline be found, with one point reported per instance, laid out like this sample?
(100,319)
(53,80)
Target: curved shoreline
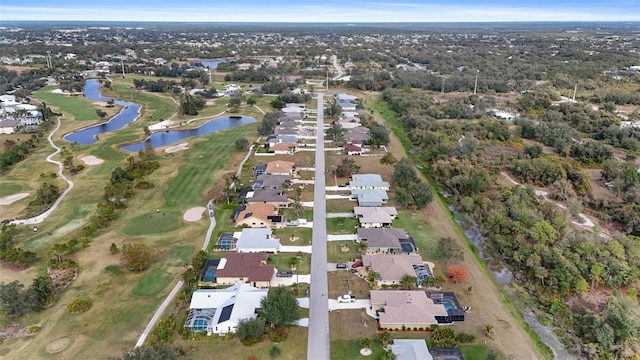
(125,106)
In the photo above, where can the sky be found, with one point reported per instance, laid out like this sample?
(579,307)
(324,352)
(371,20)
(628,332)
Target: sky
(349,11)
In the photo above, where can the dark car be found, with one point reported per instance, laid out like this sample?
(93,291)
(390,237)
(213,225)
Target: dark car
(357,264)
(284,274)
(341,266)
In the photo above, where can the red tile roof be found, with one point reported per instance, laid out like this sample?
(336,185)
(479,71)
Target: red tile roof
(248,266)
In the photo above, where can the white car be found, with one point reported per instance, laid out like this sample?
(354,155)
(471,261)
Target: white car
(346,299)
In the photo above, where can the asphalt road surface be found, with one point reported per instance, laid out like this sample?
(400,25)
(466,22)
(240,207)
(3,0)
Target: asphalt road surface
(318,342)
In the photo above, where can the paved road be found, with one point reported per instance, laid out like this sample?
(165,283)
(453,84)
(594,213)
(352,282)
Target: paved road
(156,316)
(338,68)
(40,218)
(318,342)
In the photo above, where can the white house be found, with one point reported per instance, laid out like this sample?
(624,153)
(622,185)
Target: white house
(257,240)
(219,311)
(375,217)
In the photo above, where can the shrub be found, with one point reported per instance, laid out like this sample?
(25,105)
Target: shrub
(278,335)
(33,329)
(250,331)
(275,351)
(79,306)
(465,338)
(163,332)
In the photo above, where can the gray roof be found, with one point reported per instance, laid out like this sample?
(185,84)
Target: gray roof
(367,180)
(370,195)
(271,180)
(383,237)
(268,195)
(411,349)
(257,239)
(8,123)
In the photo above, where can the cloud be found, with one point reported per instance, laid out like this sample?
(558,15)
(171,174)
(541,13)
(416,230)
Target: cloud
(300,12)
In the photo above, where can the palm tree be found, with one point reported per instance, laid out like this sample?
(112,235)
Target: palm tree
(365,343)
(385,338)
(408,282)
(297,207)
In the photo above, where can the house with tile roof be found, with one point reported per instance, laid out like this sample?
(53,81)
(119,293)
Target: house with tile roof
(392,267)
(280,167)
(249,268)
(401,309)
(256,240)
(268,196)
(218,311)
(284,148)
(259,215)
(369,197)
(411,349)
(276,182)
(387,241)
(375,217)
(368,181)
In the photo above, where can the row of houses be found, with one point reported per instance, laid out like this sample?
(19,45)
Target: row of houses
(18,115)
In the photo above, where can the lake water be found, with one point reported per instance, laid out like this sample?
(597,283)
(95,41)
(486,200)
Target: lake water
(89,135)
(211,63)
(168,137)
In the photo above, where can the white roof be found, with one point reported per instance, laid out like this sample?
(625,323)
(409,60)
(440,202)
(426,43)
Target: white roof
(375,214)
(257,239)
(243,298)
(411,349)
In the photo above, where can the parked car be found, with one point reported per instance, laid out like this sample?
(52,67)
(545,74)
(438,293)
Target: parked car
(357,264)
(346,299)
(284,274)
(210,213)
(341,266)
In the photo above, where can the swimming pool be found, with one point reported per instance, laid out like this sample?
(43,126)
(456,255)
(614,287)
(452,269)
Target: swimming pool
(448,304)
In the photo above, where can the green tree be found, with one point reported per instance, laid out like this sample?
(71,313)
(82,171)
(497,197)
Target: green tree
(421,193)
(388,159)
(250,331)
(101,114)
(137,256)
(596,273)
(385,338)
(332,110)
(387,355)
(408,282)
(242,144)
(444,337)
(159,351)
(113,249)
(404,173)
(449,249)
(199,259)
(251,101)
(280,307)
(365,343)
(379,135)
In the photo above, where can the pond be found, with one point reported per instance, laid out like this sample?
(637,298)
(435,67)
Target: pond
(89,135)
(168,137)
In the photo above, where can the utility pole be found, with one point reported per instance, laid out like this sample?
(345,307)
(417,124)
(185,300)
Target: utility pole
(442,90)
(327,79)
(475,86)
(122,64)
(575,90)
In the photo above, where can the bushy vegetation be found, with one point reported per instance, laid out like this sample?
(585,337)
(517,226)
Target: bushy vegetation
(163,332)
(79,306)
(15,300)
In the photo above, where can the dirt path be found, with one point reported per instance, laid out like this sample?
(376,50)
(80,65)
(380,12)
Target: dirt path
(486,299)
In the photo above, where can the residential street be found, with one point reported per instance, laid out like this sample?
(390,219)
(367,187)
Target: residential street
(318,342)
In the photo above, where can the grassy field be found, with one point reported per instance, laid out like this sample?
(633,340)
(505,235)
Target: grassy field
(75,108)
(281,262)
(417,226)
(9,188)
(339,226)
(122,301)
(335,254)
(303,236)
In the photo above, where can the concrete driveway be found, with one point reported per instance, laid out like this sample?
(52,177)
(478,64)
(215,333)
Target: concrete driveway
(303,302)
(295,249)
(358,304)
(288,281)
(345,237)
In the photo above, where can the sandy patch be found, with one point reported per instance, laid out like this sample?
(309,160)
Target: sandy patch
(91,160)
(194,214)
(176,148)
(57,345)
(100,103)
(8,200)
(161,125)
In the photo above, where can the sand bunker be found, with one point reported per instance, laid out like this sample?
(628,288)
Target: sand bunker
(57,345)
(176,148)
(8,200)
(194,214)
(100,103)
(91,160)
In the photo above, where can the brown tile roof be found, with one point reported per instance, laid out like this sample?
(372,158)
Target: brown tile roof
(280,167)
(248,266)
(259,210)
(282,146)
(406,307)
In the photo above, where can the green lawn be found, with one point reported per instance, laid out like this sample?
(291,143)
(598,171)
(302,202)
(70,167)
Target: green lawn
(340,226)
(334,254)
(181,254)
(474,351)
(349,349)
(198,166)
(421,231)
(154,223)
(158,107)
(290,215)
(281,262)
(77,106)
(9,188)
(303,234)
(152,283)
